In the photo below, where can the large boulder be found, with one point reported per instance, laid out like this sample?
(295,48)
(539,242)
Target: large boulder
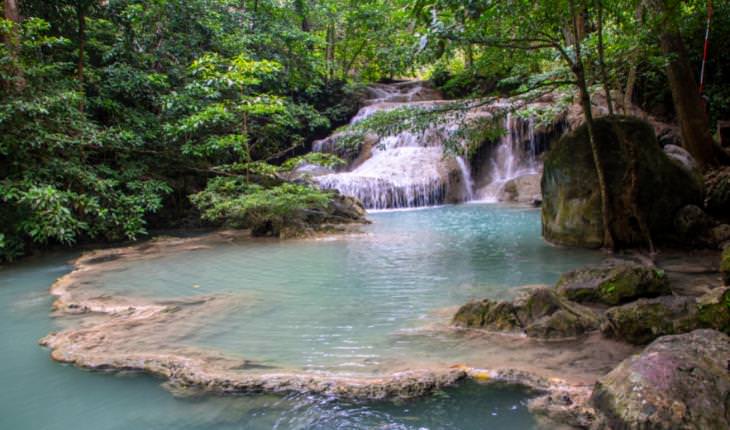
(677,382)
(522,189)
(537,311)
(571,211)
(644,320)
(613,282)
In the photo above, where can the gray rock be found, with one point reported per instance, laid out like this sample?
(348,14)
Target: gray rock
(644,320)
(678,382)
(571,207)
(522,189)
(537,311)
(691,222)
(613,282)
(682,157)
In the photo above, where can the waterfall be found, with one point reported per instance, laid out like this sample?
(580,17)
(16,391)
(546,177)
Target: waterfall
(403,170)
(515,156)
(409,169)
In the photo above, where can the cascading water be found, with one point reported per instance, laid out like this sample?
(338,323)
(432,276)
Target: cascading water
(404,170)
(515,156)
(409,169)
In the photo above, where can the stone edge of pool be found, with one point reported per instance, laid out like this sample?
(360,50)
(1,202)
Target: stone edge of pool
(188,370)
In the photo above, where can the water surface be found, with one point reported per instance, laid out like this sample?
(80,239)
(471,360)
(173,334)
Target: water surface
(344,305)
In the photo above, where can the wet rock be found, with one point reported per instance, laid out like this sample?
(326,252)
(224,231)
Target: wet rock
(571,209)
(677,382)
(644,320)
(691,223)
(682,158)
(563,409)
(537,311)
(523,189)
(613,282)
(488,314)
(340,211)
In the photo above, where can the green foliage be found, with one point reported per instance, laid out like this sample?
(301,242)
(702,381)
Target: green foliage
(237,203)
(319,158)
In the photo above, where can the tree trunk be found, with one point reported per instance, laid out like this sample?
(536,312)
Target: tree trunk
(691,116)
(300,7)
(81,17)
(630,83)
(12,41)
(330,54)
(585,103)
(602,58)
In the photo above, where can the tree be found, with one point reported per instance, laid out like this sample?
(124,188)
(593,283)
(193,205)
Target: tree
(693,121)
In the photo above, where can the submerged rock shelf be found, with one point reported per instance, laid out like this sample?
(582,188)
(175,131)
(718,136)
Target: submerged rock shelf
(142,334)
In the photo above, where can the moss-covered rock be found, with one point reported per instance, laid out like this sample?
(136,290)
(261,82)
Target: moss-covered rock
(644,320)
(488,314)
(538,311)
(678,382)
(562,324)
(571,210)
(725,265)
(613,282)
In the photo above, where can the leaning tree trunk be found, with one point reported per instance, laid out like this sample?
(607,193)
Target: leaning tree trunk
(602,59)
(585,103)
(688,104)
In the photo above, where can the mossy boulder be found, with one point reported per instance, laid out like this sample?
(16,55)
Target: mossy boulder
(678,382)
(613,282)
(571,209)
(537,311)
(488,314)
(644,320)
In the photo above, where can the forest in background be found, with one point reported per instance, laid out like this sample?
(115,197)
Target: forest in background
(123,115)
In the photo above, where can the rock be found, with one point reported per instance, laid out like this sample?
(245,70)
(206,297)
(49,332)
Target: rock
(340,211)
(571,209)
(677,382)
(691,221)
(488,314)
(561,324)
(612,283)
(725,265)
(719,236)
(644,320)
(306,170)
(537,311)
(717,197)
(522,189)
(668,136)
(682,158)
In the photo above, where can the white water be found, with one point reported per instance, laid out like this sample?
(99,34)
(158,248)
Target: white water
(409,170)
(511,159)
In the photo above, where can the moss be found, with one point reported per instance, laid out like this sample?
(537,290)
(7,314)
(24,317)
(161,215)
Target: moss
(613,283)
(713,310)
(571,210)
